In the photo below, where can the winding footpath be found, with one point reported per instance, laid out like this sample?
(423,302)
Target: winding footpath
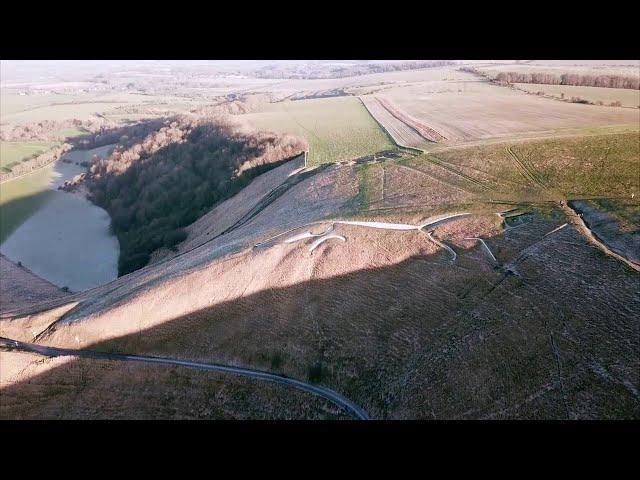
(334,397)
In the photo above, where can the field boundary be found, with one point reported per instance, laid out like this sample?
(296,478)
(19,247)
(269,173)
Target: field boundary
(395,141)
(38,168)
(541,136)
(424,130)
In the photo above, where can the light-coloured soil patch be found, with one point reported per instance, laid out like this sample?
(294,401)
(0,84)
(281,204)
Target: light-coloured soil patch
(479,110)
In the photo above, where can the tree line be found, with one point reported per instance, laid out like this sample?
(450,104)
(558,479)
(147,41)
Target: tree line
(575,79)
(155,185)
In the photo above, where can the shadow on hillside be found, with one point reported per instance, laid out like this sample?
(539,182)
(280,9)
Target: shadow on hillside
(418,339)
(17,211)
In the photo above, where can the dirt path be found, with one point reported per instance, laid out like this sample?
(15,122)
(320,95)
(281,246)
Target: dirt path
(527,170)
(454,255)
(334,397)
(486,248)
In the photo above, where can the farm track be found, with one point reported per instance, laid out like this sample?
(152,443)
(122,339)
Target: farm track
(425,131)
(334,397)
(440,147)
(497,181)
(527,170)
(436,161)
(432,177)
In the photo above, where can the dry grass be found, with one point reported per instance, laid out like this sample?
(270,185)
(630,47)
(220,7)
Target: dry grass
(19,287)
(385,318)
(406,334)
(88,389)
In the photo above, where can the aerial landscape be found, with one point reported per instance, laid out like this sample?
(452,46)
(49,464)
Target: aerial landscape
(320,240)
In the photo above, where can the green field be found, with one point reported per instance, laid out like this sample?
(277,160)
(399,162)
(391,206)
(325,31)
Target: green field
(627,97)
(575,167)
(337,129)
(15,152)
(71,132)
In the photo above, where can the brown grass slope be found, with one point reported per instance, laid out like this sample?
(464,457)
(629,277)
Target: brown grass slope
(547,330)
(19,287)
(405,333)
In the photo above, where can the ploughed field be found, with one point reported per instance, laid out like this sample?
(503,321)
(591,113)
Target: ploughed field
(476,110)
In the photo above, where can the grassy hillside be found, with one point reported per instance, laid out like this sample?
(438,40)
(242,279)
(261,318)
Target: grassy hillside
(597,165)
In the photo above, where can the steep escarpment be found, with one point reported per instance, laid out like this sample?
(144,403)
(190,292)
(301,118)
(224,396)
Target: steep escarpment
(472,315)
(386,318)
(155,185)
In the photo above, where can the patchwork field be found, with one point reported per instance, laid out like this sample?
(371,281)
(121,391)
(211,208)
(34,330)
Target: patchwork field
(362,84)
(479,110)
(626,96)
(337,129)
